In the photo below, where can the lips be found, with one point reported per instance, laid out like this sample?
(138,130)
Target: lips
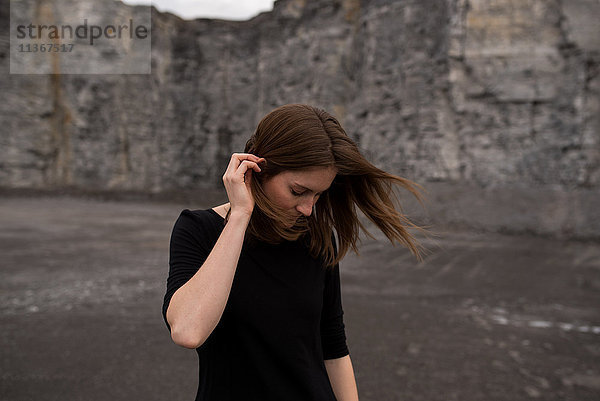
(294,219)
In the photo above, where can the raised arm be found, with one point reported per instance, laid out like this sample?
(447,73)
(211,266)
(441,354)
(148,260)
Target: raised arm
(197,306)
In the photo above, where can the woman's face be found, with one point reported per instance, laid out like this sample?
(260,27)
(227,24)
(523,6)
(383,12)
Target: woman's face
(298,190)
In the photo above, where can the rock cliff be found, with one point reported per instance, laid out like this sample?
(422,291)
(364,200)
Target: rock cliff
(493,105)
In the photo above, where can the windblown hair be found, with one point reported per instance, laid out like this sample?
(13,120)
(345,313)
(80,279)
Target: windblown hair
(300,137)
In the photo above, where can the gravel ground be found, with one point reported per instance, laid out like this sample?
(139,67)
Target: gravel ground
(484,317)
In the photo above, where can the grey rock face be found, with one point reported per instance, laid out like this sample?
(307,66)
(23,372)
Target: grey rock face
(484,94)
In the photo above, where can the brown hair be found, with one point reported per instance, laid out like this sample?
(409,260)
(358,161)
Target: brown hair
(298,137)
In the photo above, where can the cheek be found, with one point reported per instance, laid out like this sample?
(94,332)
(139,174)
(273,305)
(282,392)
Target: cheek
(285,200)
(279,195)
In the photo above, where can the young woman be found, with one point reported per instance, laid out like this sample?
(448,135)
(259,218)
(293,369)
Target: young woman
(254,284)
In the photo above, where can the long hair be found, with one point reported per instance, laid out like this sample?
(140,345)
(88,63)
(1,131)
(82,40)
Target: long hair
(300,137)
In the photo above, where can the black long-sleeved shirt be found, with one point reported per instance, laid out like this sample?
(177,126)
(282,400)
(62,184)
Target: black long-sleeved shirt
(282,319)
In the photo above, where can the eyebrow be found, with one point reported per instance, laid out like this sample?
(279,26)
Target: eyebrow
(308,189)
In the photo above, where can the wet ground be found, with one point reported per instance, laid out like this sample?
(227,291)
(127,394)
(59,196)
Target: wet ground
(484,317)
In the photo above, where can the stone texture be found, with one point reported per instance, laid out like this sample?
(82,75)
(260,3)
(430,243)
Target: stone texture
(502,95)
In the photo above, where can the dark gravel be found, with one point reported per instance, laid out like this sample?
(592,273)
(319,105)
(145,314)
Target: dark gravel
(484,317)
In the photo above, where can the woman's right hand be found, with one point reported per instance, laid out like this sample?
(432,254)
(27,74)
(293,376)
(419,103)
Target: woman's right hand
(237,180)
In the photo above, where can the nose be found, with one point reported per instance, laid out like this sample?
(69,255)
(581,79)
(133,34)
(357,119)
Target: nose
(305,207)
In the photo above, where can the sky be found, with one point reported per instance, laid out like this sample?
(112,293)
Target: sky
(237,10)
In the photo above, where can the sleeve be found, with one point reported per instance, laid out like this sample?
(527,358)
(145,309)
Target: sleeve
(188,249)
(333,335)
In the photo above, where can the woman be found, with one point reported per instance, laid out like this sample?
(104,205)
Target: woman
(254,283)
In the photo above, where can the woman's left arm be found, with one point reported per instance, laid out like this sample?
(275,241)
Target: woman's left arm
(341,376)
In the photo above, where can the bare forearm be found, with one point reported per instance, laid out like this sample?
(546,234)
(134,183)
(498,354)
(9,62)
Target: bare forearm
(196,307)
(341,376)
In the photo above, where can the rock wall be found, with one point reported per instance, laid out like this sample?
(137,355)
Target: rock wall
(492,96)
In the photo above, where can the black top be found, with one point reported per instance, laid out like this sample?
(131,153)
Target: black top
(282,319)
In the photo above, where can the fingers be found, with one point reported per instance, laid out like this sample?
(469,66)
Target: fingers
(240,163)
(246,166)
(245,156)
(238,158)
(237,180)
